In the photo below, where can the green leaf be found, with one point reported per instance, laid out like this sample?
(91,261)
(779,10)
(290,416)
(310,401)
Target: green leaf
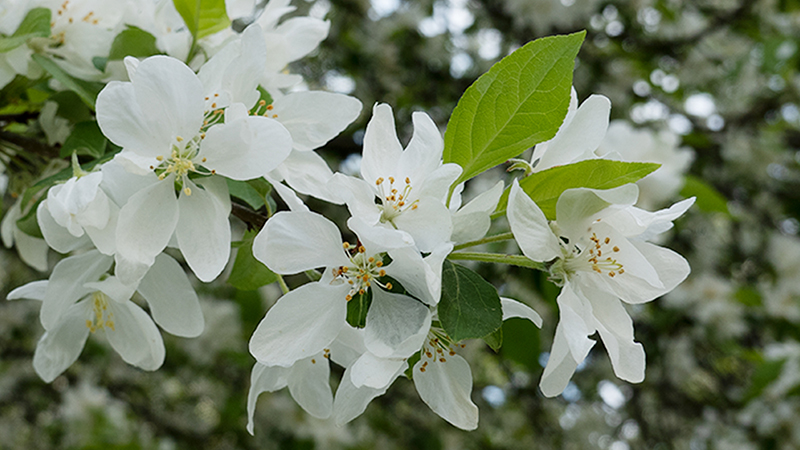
(133,41)
(494,340)
(470,307)
(521,343)
(35,24)
(764,374)
(708,198)
(71,107)
(86,90)
(546,186)
(518,103)
(243,191)
(248,273)
(203,17)
(86,139)
(28,223)
(748,296)
(357,309)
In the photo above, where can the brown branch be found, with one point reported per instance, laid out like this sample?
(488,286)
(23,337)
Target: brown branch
(253,219)
(29,144)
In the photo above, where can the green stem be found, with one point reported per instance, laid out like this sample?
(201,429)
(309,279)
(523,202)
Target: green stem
(313,275)
(497,214)
(282,283)
(513,260)
(486,240)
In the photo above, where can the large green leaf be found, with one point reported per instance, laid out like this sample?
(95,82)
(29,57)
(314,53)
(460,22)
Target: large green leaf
(546,186)
(86,90)
(248,273)
(203,17)
(35,24)
(708,198)
(519,102)
(85,139)
(470,306)
(133,41)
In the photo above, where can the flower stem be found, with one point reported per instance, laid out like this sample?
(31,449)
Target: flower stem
(282,283)
(486,240)
(513,260)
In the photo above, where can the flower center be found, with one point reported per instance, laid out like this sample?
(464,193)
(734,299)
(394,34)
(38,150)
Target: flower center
(361,272)
(102,317)
(393,200)
(181,161)
(598,257)
(437,348)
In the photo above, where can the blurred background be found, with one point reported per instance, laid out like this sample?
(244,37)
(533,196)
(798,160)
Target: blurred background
(707,87)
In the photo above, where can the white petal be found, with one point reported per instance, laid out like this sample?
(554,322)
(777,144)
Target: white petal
(308,173)
(303,35)
(430,224)
(309,384)
(530,227)
(172,300)
(396,325)
(56,236)
(579,138)
(437,184)
(287,195)
(375,372)
(314,118)
(560,366)
(113,288)
(124,123)
(359,196)
(577,208)
(616,329)
(301,324)
(263,379)
(421,277)
(66,284)
(423,154)
(575,316)
(446,388)
(246,149)
(105,239)
(379,237)
(473,220)
(35,290)
(203,232)
(382,149)
(513,308)
(145,226)
(32,251)
(135,336)
(348,346)
(292,242)
(351,401)
(60,347)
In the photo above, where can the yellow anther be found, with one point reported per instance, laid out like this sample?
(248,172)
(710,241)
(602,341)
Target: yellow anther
(616,249)
(379,264)
(178,138)
(389,286)
(382,273)
(187,191)
(379,181)
(408,181)
(159,158)
(391,180)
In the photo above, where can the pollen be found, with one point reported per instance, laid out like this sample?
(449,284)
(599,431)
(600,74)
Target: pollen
(389,286)
(187,191)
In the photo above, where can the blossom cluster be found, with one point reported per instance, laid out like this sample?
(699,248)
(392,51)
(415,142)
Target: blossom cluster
(188,136)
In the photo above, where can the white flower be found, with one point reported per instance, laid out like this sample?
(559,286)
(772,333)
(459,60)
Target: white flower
(79,299)
(472,221)
(411,184)
(312,118)
(626,143)
(307,380)
(293,39)
(307,319)
(602,258)
(32,250)
(579,135)
(160,120)
(81,30)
